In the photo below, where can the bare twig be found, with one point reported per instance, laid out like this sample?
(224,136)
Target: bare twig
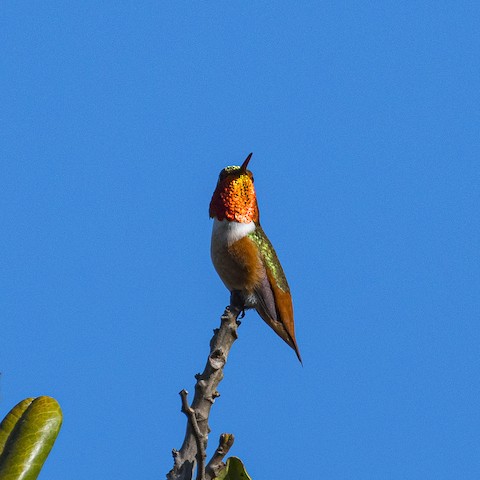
(216,464)
(201,455)
(195,442)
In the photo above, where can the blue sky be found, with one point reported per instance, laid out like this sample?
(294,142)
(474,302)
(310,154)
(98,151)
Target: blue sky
(364,122)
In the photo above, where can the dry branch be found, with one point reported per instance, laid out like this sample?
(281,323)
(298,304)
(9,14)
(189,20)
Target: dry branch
(194,445)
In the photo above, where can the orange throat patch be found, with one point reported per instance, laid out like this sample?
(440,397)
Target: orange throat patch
(235,200)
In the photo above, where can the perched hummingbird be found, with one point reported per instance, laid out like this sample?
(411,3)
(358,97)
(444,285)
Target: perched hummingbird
(243,256)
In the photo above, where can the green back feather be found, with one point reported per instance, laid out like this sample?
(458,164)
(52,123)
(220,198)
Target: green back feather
(269,257)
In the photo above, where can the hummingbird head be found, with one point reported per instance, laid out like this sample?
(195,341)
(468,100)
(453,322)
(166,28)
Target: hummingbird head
(234,197)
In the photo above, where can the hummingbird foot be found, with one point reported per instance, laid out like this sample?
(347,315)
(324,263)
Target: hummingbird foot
(237,300)
(237,304)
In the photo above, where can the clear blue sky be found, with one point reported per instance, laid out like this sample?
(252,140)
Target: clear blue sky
(363,117)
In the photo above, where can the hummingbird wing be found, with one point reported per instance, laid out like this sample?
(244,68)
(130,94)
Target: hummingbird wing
(273,294)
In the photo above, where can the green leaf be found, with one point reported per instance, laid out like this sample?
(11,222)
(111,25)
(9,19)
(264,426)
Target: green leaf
(234,470)
(27,435)
(11,420)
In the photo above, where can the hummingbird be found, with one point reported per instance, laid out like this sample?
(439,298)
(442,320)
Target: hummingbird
(243,256)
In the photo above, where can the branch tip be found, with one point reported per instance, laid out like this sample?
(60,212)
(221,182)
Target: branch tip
(215,465)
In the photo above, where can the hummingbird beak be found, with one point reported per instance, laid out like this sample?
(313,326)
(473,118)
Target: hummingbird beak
(243,168)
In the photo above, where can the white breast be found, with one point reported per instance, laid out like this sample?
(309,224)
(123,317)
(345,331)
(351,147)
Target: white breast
(225,233)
